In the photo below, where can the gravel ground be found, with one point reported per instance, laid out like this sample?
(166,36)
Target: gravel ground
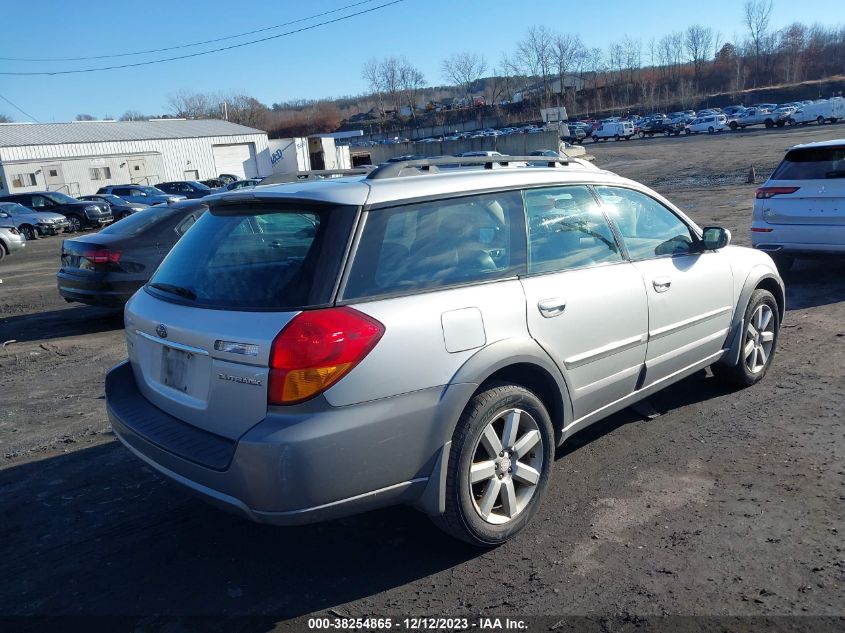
(729,503)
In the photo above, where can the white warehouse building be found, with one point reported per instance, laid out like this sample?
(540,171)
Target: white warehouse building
(78,158)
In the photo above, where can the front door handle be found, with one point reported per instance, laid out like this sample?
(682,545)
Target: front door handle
(661,284)
(551,307)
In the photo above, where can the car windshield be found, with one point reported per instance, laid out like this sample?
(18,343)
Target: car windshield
(13,208)
(138,222)
(273,256)
(200,185)
(152,191)
(812,163)
(111,199)
(59,198)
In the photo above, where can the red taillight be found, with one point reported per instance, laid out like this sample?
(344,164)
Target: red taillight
(316,349)
(102,256)
(759,229)
(764,193)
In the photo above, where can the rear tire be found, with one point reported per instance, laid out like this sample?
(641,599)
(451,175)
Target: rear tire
(769,123)
(499,465)
(710,130)
(760,327)
(615,137)
(733,125)
(3,251)
(820,120)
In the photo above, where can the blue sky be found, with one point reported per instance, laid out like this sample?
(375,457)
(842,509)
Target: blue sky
(323,62)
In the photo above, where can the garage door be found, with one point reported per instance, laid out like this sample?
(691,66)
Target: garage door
(236,159)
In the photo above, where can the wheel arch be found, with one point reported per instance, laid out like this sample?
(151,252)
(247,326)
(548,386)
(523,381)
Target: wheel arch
(518,361)
(760,277)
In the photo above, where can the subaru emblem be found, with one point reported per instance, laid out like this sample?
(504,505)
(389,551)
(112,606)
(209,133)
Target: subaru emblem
(161,330)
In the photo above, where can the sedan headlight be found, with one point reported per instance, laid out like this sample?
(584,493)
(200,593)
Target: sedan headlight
(92,208)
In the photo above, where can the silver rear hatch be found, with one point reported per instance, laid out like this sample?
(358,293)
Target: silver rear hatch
(199,335)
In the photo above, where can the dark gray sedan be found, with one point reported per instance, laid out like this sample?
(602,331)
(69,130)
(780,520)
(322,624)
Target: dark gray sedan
(106,268)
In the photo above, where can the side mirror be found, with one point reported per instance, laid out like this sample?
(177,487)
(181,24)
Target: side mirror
(715,237)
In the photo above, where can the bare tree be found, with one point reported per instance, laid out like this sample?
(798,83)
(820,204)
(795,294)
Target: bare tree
(133,115)
(192,105)
(411,81)
(371,73)
(756,16)
(568,57)
(699,42)
(464,69)
(5,119)
(84,117)
(535,54)
(242,109)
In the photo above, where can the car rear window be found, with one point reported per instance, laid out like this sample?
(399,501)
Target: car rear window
(812,164)
(260,256)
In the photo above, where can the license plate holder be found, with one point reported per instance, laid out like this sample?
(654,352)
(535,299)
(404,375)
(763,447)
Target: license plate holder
(175,365)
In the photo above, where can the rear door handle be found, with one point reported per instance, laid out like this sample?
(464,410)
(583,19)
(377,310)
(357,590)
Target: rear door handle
(551,307)
(661,284)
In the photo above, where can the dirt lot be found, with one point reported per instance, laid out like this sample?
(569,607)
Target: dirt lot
(729,503)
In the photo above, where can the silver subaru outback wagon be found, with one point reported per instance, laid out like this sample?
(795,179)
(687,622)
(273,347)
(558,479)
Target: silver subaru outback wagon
(424,336)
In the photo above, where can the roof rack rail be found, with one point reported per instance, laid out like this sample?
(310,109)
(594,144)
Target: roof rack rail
(430,165)
(315,174)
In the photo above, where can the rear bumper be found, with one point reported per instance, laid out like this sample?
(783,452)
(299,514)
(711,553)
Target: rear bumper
(315,463)
(96,292)
(799,238)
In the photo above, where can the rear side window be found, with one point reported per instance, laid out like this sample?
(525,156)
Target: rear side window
(812,164)
(263,256)
(438,244)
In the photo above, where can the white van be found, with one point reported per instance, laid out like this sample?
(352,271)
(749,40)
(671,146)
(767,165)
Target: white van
(615,130)
(829,110)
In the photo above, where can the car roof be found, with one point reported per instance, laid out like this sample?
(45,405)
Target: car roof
(359,191)
(840,142)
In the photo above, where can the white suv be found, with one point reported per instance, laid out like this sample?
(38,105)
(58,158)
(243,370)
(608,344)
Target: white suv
(801,207)
(710,124)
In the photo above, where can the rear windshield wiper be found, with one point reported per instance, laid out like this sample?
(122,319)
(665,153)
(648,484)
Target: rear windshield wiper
(836,173)
(185,293)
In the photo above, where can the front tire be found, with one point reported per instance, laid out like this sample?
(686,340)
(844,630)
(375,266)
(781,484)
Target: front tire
(74,223)
(760,328)
(499,465)
(29,232)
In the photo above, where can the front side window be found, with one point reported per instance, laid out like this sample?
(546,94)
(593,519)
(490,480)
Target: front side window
(648,228)
(566,230)
(438,244)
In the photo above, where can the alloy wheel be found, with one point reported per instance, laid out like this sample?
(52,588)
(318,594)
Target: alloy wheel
(506,465)
(759,339)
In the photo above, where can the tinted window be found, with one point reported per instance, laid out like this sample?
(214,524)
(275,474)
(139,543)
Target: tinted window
(139,222)
(648,228)
(436,244)
(566,229)
(812,164)
(265,256)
